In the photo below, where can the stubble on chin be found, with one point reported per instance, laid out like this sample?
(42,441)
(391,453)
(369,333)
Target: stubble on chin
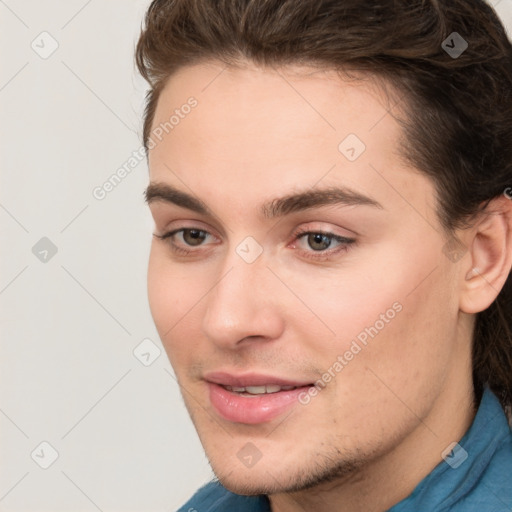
(327,468)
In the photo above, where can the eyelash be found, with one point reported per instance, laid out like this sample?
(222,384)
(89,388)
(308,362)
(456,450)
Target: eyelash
(318,255)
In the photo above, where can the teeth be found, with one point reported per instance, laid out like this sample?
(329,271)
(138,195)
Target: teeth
(259,390)
(255,390)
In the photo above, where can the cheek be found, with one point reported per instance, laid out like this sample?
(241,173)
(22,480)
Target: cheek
(172,298)
(352,297)
(409,360)
(392,314)
(162,302)
(382,385)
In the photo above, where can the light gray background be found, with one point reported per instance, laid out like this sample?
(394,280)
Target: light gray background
(71,323)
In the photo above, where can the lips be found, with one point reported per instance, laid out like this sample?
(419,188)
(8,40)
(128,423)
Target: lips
(252,398)
(251,379)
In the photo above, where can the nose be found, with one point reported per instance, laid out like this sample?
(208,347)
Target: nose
(243,305)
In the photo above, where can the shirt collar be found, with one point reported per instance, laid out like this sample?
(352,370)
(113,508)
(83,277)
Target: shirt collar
(462,468)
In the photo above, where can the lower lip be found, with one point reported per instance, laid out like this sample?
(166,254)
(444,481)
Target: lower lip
(252,409)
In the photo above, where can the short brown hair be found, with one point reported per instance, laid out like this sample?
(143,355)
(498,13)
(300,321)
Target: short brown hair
(459,124)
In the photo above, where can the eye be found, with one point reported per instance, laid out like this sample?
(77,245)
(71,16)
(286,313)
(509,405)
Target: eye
(320,241)
(190,237)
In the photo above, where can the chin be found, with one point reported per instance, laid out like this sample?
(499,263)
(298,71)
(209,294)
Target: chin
(247,487)
(262,478)
(276,476)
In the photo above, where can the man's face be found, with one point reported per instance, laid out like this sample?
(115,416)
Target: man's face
(364,305)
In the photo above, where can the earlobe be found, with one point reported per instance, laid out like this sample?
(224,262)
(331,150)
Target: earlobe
(490,250)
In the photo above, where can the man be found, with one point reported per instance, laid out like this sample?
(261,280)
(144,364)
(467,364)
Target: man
(329,274)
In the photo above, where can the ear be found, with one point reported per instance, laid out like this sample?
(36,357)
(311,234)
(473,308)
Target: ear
(489,246)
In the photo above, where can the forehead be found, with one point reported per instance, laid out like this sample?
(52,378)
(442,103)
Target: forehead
(256,129)
(292,104)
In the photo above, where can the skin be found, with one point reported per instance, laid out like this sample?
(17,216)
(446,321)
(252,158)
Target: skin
(380,425)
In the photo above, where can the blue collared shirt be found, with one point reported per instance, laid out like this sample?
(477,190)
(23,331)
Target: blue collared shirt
(476,476)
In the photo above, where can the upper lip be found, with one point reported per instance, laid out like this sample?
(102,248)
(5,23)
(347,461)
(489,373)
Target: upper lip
(251,379)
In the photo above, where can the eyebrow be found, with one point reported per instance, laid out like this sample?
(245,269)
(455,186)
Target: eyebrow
(279,207)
